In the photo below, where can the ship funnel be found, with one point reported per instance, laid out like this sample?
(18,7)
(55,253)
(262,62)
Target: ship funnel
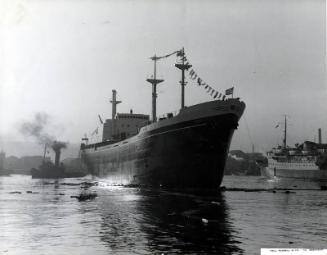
(57,158)
(57,146)
(319,135)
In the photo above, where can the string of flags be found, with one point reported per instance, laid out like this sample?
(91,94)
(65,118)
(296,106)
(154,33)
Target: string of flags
(195,77)
(165,56)
(168,55)
(229,91)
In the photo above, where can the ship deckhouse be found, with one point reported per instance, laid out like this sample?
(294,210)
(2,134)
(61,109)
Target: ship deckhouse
(126,125)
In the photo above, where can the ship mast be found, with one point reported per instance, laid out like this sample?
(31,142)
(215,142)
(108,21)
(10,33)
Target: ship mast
(285,132)
(183,66)
(114,111)
(45,151)
(154,81)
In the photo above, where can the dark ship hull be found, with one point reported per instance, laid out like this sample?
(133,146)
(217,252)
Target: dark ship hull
(187,151)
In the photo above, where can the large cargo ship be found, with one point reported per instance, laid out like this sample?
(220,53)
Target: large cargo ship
(187,150)
(303,162)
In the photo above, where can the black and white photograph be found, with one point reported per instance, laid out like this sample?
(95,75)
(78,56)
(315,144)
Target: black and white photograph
(163,127)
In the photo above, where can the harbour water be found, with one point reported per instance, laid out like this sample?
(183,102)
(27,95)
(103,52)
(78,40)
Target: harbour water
(41,217)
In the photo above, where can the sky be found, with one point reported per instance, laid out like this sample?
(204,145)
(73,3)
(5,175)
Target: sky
(63,58)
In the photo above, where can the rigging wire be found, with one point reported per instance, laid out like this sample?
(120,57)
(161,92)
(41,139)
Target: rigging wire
(248,130)
(165,56)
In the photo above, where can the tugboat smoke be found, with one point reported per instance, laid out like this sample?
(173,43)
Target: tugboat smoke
(37,129)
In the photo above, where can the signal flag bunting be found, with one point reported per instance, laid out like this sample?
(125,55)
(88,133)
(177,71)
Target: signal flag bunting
(229,91)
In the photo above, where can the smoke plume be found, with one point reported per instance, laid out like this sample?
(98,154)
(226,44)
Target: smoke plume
(57,145)
(37,128)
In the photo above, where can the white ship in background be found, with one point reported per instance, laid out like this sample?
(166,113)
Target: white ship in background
(307,161)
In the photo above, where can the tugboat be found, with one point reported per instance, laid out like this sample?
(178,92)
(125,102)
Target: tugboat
(49,170)
(306,162)
(187,150)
